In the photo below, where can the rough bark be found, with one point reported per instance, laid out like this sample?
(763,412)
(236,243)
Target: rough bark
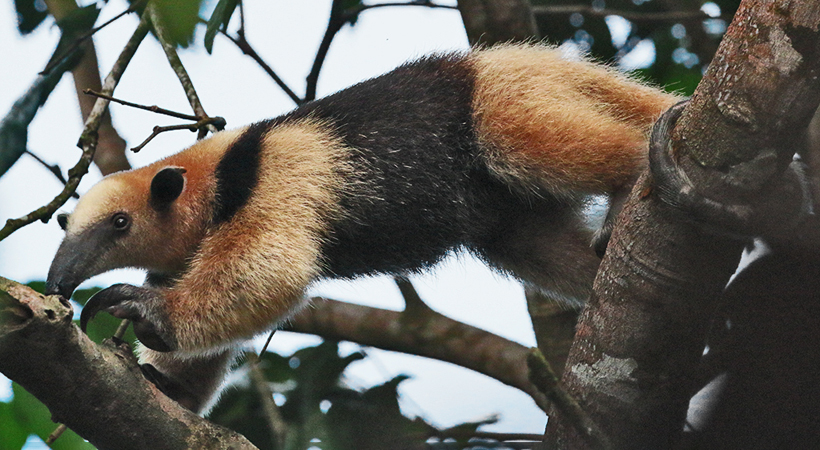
(96,390)
(633,363)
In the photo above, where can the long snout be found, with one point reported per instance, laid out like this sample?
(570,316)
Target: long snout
(74,263)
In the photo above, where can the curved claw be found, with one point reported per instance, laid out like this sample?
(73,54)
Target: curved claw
(170,387)
(100,301)
(138,304)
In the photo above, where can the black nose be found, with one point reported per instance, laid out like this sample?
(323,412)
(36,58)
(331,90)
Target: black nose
(59,288)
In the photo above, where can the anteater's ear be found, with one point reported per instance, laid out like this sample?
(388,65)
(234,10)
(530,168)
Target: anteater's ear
(166,187)
(62,220)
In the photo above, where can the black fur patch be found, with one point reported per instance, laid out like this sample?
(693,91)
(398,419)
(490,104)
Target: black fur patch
(238,172)
(421,187)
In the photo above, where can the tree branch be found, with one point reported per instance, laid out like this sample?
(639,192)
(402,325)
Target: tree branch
(14,126)
(632,16)
(152,108)
(435,336)
(110,154)
(179,69)
(276,425)
(96,390)
(246,48)
(491,22)
(217,122)
(54,169)
(338,18)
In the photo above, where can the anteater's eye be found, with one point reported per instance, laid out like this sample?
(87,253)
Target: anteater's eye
(62,220)
(121,221)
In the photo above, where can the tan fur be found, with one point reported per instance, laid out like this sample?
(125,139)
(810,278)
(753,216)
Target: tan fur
(260,262)
(157,242)
(580,127)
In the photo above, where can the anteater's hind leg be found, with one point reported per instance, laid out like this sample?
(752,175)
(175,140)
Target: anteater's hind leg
(549,249)
(190,381)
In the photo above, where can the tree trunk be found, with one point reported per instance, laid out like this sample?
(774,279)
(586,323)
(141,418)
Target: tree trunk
(633,364)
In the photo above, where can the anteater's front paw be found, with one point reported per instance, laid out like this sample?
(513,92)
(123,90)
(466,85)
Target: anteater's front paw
(142,306)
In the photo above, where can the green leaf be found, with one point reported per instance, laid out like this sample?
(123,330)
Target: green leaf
(276,367)
(39,286)
(35,418)
(12,435)
(341,6)
(29,16)
(80,20)
(219,19)
(179,19)
(73,26)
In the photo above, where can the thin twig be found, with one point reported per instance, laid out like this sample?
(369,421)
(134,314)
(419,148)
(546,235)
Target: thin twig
(414,306)
(241,16)
(215,122)
(85,36)
(56,434)
(179,69)
(657,17)
(87,141)
(338,18)
(265,347)
(355,11)
(152,108)
(246,48)
(276,425)
(501,437)
(335,23)
(122,328)
(53,168)
(242,42)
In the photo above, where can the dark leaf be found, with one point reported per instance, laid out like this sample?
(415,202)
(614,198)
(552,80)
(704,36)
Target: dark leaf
(219,19)
(30,14)
(276,368)
(179,18)
(14,126)
(372,420)
(240,409)
(80,20)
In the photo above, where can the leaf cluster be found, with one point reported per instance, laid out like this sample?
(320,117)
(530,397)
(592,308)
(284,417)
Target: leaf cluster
(321,412)
(317,408)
